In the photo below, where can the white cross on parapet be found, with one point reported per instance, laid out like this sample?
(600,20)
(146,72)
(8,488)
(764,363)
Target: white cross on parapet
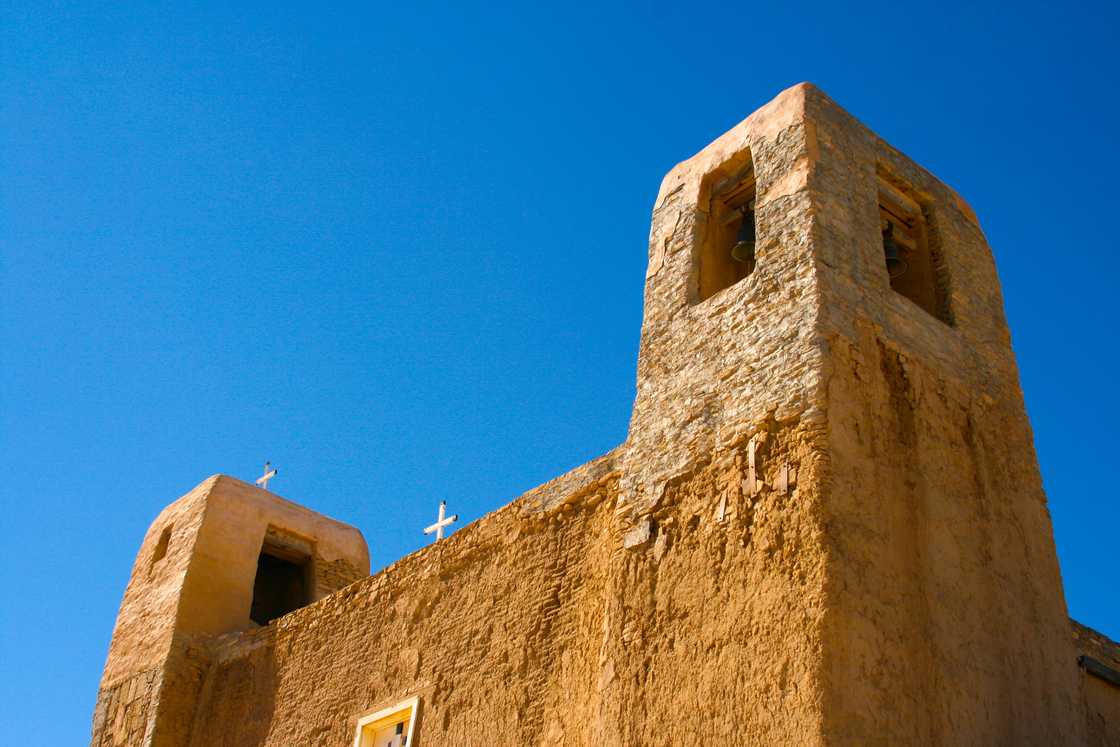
(269,473)
(443,521)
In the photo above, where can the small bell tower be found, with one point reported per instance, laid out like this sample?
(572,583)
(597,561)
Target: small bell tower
(226,558)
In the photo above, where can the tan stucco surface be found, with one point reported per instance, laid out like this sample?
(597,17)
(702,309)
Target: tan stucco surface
(202,587)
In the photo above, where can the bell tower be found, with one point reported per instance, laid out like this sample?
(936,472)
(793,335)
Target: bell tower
(224,562)
(828,402)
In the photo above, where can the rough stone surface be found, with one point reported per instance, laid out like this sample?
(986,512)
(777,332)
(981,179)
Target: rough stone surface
(826,525)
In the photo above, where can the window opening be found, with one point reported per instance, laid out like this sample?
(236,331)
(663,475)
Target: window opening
(160,551)
(907,252)
(390,727)
(282,584)
(728,252)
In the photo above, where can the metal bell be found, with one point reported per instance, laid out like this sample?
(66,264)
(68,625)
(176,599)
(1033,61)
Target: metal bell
(743,251)
(896,265)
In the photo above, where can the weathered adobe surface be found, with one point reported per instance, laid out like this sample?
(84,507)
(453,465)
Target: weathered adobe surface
(943,618)
(144,638)
(192,581)
(712,374)
(947,621)
(537,625)
(1102,698)
(885,574)
(497,628)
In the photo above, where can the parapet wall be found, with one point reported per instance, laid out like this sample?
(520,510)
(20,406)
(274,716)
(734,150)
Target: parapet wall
(553,621)
(497,628)
(549,622)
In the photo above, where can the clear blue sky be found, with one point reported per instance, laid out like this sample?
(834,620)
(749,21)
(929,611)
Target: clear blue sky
(398,249)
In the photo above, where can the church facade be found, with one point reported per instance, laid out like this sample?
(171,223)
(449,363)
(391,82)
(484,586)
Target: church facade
(826,525)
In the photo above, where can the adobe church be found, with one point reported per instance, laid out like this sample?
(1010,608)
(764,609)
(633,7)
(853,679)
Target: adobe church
(826,525)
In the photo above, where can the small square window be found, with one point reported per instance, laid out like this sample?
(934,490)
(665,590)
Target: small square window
(389,727)
(727,254)
(912,263)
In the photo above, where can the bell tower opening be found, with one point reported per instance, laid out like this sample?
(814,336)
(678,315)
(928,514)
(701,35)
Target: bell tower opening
(911,259)
(727,253)
(282,584)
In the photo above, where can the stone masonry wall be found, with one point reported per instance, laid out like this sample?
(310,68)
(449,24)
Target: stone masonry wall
(125,712)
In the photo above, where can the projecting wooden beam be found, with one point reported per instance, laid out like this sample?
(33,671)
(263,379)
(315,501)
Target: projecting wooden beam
(1099,669)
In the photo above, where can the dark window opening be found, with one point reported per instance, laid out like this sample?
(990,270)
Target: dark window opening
(160,551)
(281,585)
(728,251)
(912,264)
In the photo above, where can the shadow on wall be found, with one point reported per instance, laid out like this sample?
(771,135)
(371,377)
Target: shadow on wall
(253,679)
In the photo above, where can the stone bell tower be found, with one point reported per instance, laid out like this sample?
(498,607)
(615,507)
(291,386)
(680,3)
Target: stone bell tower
(829,429)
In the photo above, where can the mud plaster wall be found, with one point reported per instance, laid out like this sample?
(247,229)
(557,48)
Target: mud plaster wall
(143,641)
(712,629)
(1102,699)
(497,628)
(947,621)
(145,626)
(1102,711)
(543,624)
(217,592)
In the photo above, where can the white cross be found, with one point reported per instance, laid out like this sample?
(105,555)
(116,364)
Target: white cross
(269,473)
(442,522)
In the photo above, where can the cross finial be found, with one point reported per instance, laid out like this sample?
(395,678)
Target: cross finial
(269,473)
(442,521)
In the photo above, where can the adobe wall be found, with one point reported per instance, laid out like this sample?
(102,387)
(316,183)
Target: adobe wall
(217,591)
(1102,705)
(144,629)
(143,636)
(714,621)
(947,621)
(497,628)
(1102,697)
(924,552)
(546,622)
